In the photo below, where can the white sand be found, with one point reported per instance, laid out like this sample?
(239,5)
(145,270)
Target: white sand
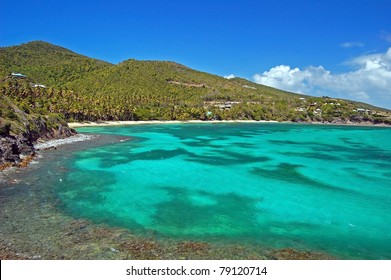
(115,123)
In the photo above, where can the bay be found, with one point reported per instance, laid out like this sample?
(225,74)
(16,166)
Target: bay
(203,191)
(308,187)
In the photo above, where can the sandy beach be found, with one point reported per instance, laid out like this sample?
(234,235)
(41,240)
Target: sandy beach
(116,123)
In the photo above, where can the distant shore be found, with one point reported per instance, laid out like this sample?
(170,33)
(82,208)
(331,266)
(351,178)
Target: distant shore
(118,123)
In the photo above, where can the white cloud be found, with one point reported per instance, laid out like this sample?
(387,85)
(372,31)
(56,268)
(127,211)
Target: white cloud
(369,82)
(231,76)
(352,45)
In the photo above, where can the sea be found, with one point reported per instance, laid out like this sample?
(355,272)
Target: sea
(313,188)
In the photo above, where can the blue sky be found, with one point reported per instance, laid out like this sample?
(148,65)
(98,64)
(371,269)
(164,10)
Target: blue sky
(308,46)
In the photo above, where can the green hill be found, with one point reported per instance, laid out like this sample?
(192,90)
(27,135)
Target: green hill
(86,89)
(46,63)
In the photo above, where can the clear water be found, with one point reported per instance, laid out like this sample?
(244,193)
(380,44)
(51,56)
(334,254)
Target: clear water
(309,187)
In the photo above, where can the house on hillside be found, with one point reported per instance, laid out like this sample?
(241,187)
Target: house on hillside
(39,86)
(18,75)
(318,112)
(226,105)
(363,111)
(250,87)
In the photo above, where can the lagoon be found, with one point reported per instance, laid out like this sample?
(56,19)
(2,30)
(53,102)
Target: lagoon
(225,190)
(308,187)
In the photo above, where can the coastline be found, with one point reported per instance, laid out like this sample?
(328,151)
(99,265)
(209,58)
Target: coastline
(44,145)
(125,123)
(118,123)
(45,149)
(54,143)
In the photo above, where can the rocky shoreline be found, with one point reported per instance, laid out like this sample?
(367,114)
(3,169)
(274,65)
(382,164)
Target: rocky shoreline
(20,129)
(19,150)
(52,144)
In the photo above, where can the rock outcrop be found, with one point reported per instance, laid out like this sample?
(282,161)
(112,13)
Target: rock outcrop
(14,148)
(19,130)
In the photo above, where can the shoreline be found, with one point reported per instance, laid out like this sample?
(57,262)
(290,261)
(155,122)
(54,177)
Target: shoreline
(53,143)
(48,144)
(118,123)
(126,123)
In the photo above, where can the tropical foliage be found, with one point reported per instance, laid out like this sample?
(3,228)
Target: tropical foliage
(84,89)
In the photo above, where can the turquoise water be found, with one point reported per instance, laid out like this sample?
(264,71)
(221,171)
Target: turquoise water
(308,187)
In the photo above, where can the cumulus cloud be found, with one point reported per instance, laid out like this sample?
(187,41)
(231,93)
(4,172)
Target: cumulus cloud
(231,76)
(348,45)
(370,81)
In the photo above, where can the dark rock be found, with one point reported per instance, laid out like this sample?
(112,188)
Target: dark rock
(12,147)
(8,150)
(25,147)
(17,135)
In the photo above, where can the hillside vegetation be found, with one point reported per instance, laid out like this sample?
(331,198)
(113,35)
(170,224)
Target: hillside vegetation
(84,89)
(46,63)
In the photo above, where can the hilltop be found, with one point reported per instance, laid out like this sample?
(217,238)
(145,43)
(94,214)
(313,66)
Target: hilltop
(47,63)
(86,89)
